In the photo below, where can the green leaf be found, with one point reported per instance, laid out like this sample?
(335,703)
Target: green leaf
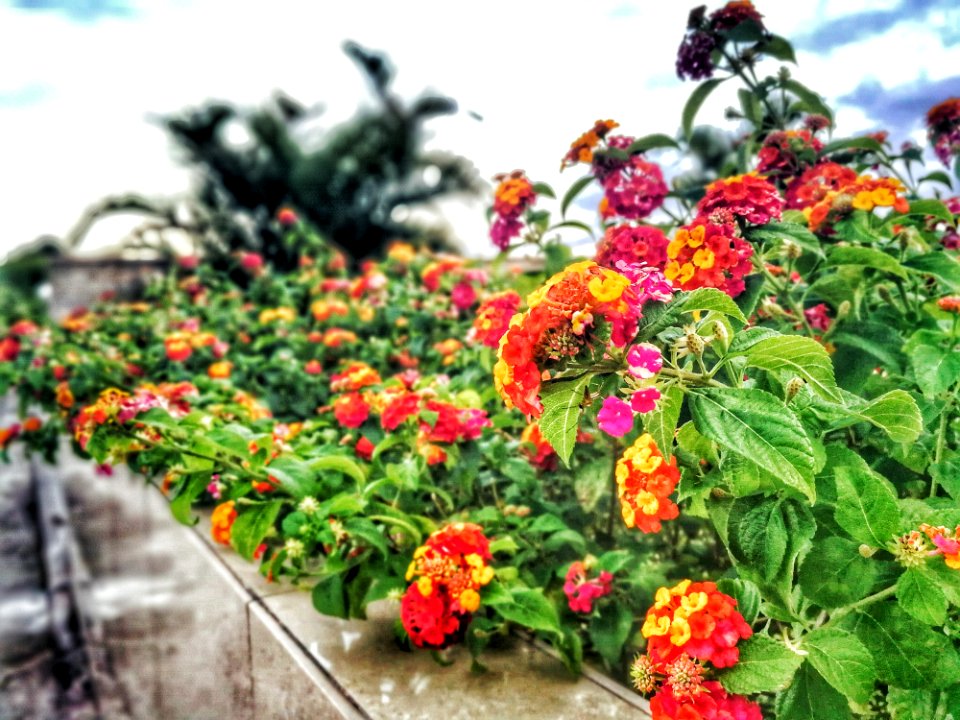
(369,533)
(866,257)
(766,535)
(340,464)
(696,100)
(609,632)
(896,413)
(797,356)
(531,609)
(857,143)
(937,176)
(932,208)
(907,653)
(182,504)
(748,300)
(843,661)
(936,369)
(834,574)
(809,99)
(778,232)
(747,595)
(561,413)
(573,192)
(295,476)
(505,544)
(912,705)
(777,47)
(866,506)
(541,188)
(711,299)
(661,422)
(651,142)
(765,665)
(493,593)
(921,597)
(329,597)
(252,526)
(758,426)
(810,697)
(573,224)
(939,264)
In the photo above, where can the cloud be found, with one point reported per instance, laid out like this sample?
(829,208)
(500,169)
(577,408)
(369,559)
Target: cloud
(859,26)
(79,10)
(900,109)
(25,95)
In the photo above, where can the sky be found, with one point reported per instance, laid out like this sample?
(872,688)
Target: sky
(82,78)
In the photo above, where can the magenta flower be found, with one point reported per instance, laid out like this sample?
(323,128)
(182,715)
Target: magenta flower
(581,592)
(615,417)
(818,316)
(644,361)
(463,295)
(645,400)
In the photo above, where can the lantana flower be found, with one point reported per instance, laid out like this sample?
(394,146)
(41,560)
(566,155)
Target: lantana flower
(582,591)
(644,484)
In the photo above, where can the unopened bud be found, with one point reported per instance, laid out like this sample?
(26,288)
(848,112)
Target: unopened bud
(867,551)
(695,344)
(522,511)
(884,294)
(792,250)
(843,310)
(721,334)
(843,203)
(794,386)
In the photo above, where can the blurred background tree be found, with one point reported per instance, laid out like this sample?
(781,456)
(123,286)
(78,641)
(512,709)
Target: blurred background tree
(355,184)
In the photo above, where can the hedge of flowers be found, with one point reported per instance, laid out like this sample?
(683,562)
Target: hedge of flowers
(720,457)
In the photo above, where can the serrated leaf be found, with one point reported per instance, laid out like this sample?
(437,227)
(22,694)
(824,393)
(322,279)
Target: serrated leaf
(939,264)
(182,504)
(896,413)
(661,422)
(747,595)
(936,369)
(758,426)
(570,195)
(932,208)
(834,573)
(295,476)
(810,697)
(765,536)
(609,632)
(765,665)
(695,101)
(842,660)
(866,506)
(921,597)
(561,413)
(711,299)
(777,232)
(799,356)
(866,257)
(907,653)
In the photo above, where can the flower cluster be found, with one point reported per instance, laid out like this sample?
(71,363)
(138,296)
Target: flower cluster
(694,619)
(563,321)
(946,542)
(708,254)
(748,197)
(221,522)
(704,35)
(787,153)
(581,591)
(493,318)
(513,196)
(689,627)
(581,149)
(645,481)
(828,191)
(943,129)
(355,376)
(632,244)
(115,405)
(450,568)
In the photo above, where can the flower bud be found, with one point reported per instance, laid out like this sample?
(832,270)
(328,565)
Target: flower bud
(695,344)
(843,310)
(794,386)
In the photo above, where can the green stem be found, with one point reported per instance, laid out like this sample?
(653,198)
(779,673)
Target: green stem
(869,600)
(693,378)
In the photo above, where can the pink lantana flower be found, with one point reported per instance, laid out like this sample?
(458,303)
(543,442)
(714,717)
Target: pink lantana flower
(615,417)
(463,295)
(645,400)
(581,592)
(644,361)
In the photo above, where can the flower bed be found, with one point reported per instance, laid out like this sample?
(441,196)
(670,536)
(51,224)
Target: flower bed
(720,458)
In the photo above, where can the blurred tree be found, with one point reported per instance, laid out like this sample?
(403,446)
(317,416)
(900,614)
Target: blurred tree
(348,186)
